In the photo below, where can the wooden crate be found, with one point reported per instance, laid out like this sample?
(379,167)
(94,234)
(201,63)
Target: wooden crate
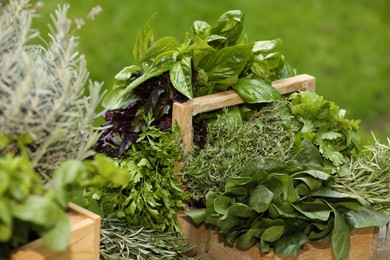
(182,113)
(84,243)
(363,241)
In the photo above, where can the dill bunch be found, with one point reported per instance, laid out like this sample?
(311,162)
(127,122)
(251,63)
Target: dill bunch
(42,88)
(121,241)
(370,176)
(230,145)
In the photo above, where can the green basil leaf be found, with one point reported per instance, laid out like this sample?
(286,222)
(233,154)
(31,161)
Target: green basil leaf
(200,49)
(201,29)
(366,218)
(144,39)
(226,63)
(127,72)
(162,45)
(266,46)
(119,97)
(256,90)
(229,25)
(284,70)
(181,75)
(116,98)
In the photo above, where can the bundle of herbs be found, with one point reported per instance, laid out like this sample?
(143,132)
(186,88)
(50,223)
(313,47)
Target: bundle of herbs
(121,241)
(153,193)
(232,142)
(140,135)
(370,176)
(212,58)
(273,131)
(285,204)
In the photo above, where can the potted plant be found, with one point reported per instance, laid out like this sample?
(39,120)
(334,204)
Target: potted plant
(46,135)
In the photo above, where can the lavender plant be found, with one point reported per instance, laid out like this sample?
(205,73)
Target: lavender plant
(42,88)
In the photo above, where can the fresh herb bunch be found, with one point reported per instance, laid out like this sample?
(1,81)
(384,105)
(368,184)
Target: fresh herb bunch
(121,241)
(42,88)
(30,209)
(211,59)
(232,141)
(370,176)
(285,204)
(324,124)
(153,194)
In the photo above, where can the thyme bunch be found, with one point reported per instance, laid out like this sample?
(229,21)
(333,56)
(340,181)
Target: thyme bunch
(121,241)
(231,145)
(370,176)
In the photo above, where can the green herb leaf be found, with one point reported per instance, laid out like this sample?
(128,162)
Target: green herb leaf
(340,236)
(144,39)
(290,245)
(366,218)
(180,76)
(256,90)
(229,25)
(266,46)
(226,63)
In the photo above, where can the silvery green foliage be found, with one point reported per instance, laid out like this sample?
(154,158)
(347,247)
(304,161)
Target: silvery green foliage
(42,88)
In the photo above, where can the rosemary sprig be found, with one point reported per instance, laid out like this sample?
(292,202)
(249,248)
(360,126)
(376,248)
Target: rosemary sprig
(370,176)
(121,241)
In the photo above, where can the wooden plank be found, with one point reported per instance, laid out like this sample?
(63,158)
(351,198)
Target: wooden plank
(83,244)
(182,113)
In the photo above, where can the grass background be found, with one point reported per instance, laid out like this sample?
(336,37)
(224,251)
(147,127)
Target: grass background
(344,44)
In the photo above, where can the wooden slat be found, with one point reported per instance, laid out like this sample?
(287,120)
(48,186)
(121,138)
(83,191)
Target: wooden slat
(182,113)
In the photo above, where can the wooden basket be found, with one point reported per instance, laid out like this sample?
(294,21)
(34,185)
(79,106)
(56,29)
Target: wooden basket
(363,241)
(84,243)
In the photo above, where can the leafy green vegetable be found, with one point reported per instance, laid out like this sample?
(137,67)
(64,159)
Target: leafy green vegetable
(29,209)
(152,193)
(211,59)
(324,124)
(267,204)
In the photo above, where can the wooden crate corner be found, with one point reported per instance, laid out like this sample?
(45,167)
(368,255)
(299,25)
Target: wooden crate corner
(84,242)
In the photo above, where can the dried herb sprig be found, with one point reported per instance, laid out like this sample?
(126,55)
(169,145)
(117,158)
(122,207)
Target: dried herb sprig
(121,241)
(370,176)
(230,145)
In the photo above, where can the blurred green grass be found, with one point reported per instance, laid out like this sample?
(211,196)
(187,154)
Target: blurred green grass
(344,44)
